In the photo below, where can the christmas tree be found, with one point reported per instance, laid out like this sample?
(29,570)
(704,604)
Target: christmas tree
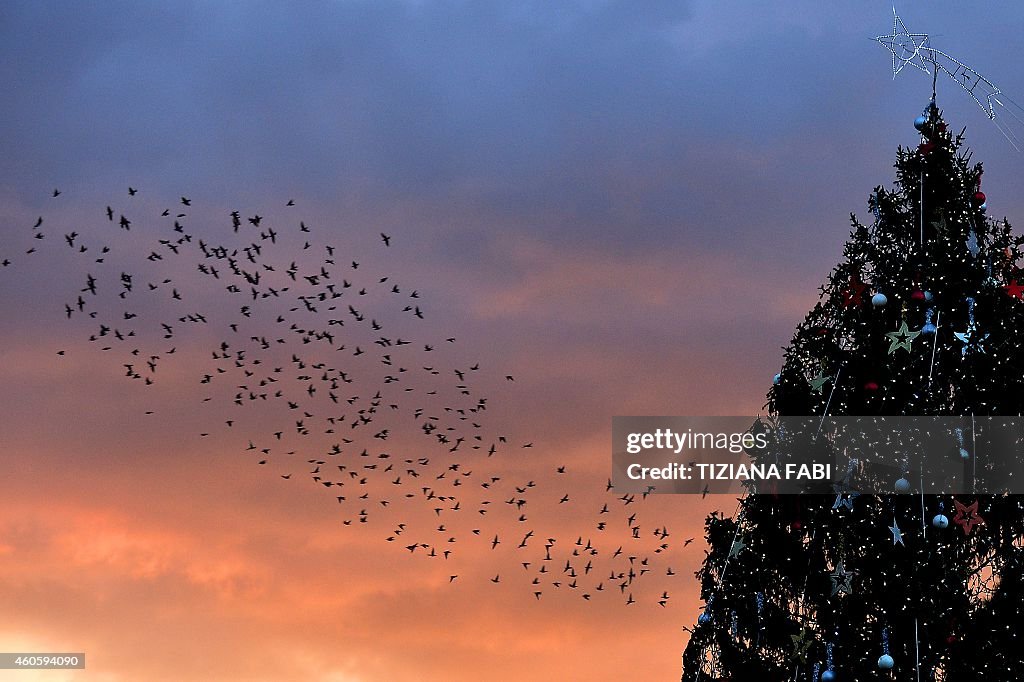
(923,317)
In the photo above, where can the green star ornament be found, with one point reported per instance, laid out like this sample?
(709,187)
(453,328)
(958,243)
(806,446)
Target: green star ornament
(901,338)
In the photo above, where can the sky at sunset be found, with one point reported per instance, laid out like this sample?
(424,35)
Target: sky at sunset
(626,207)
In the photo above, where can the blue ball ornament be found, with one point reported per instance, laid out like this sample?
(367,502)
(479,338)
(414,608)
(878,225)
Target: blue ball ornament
(885,662)
(828,676)
(903,486)
(776,379)
(879,300)
(928,296)
(940,521)
(920,122)
(964,454)
(704,619)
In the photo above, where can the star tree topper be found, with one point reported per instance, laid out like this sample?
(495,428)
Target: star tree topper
(915,49)
(906,47)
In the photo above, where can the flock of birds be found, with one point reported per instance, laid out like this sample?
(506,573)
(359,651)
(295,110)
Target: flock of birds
(319,367)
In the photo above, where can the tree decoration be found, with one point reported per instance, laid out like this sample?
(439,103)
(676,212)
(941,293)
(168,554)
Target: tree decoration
(940,520)
(966,516)
(818,382)
(842,580)
(901,338)
(1014,289)
(845,499)
(830,671)
(705,616)
(801,644)
(972,243)
(928,328)
(914,49)
(853,295)
(885,661)
(897,536)
(959,433)
(969,337)
(800,547)
(844,495)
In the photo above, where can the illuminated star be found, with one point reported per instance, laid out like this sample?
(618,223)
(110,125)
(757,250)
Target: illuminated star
(916,50)
(905,46)
(842,580)
(897,535)
(901,338)
(736,548)
(819,381)
(1014,289)
(967,516)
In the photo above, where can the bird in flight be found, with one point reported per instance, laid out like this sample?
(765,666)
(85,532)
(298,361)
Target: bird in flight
(332,394)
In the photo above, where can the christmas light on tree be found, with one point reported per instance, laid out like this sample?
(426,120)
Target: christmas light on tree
(923,317)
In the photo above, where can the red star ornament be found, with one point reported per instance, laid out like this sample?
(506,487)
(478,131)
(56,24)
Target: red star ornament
(1014,289)
(967,516)
(854,294)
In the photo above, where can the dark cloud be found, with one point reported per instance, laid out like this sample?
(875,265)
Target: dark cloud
(618,122)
